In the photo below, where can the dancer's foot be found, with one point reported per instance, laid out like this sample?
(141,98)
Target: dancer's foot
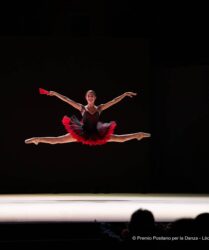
(32,140)
(143,135)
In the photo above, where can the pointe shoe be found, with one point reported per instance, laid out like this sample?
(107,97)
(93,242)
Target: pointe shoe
(143,135)
(32,140)
(146,135)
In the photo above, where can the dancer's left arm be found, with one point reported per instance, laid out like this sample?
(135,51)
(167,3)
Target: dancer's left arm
(115,100)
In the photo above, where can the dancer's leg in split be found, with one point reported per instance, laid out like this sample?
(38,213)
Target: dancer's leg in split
(51,140)
(128,137)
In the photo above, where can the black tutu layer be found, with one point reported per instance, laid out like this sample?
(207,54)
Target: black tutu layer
(96,135)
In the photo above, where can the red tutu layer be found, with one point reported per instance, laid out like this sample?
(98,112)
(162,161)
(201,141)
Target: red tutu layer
(75,128)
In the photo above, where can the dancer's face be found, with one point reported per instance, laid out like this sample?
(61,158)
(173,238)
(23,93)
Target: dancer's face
(90,97)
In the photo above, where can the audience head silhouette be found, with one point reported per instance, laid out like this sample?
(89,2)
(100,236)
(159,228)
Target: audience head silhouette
(141,222)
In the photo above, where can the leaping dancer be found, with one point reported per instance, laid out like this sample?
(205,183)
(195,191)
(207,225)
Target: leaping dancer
(90,130)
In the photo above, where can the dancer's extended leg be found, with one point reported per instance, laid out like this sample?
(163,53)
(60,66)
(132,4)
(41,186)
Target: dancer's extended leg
(51,140)
(128,137)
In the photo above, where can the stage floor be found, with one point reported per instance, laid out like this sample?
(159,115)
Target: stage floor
(99,207)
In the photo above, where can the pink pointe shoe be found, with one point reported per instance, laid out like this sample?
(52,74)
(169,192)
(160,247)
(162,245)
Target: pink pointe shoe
(143,135)
(32,140)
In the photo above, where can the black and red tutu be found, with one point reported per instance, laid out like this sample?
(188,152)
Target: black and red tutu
(89,130)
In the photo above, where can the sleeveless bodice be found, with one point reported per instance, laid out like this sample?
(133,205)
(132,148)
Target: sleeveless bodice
(90,120)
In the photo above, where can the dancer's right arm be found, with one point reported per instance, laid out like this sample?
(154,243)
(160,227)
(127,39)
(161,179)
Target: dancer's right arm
(67,100)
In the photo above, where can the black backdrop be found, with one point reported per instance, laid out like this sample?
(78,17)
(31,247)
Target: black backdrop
(72,46)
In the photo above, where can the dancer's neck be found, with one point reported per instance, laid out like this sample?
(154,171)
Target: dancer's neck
(90,105)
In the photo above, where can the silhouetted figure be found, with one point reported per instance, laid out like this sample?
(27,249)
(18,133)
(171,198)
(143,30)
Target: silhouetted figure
(182,227)
(142,223)
(201,223)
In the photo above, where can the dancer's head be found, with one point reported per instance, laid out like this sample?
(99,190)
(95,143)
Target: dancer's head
(90,96)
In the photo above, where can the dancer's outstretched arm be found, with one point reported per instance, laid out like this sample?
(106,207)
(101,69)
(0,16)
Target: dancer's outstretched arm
(115,100)
(66,99)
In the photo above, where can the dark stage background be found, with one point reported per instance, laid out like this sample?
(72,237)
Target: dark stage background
(73,46)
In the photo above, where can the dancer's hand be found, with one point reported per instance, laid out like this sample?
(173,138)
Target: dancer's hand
(130,94)
(51,93)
